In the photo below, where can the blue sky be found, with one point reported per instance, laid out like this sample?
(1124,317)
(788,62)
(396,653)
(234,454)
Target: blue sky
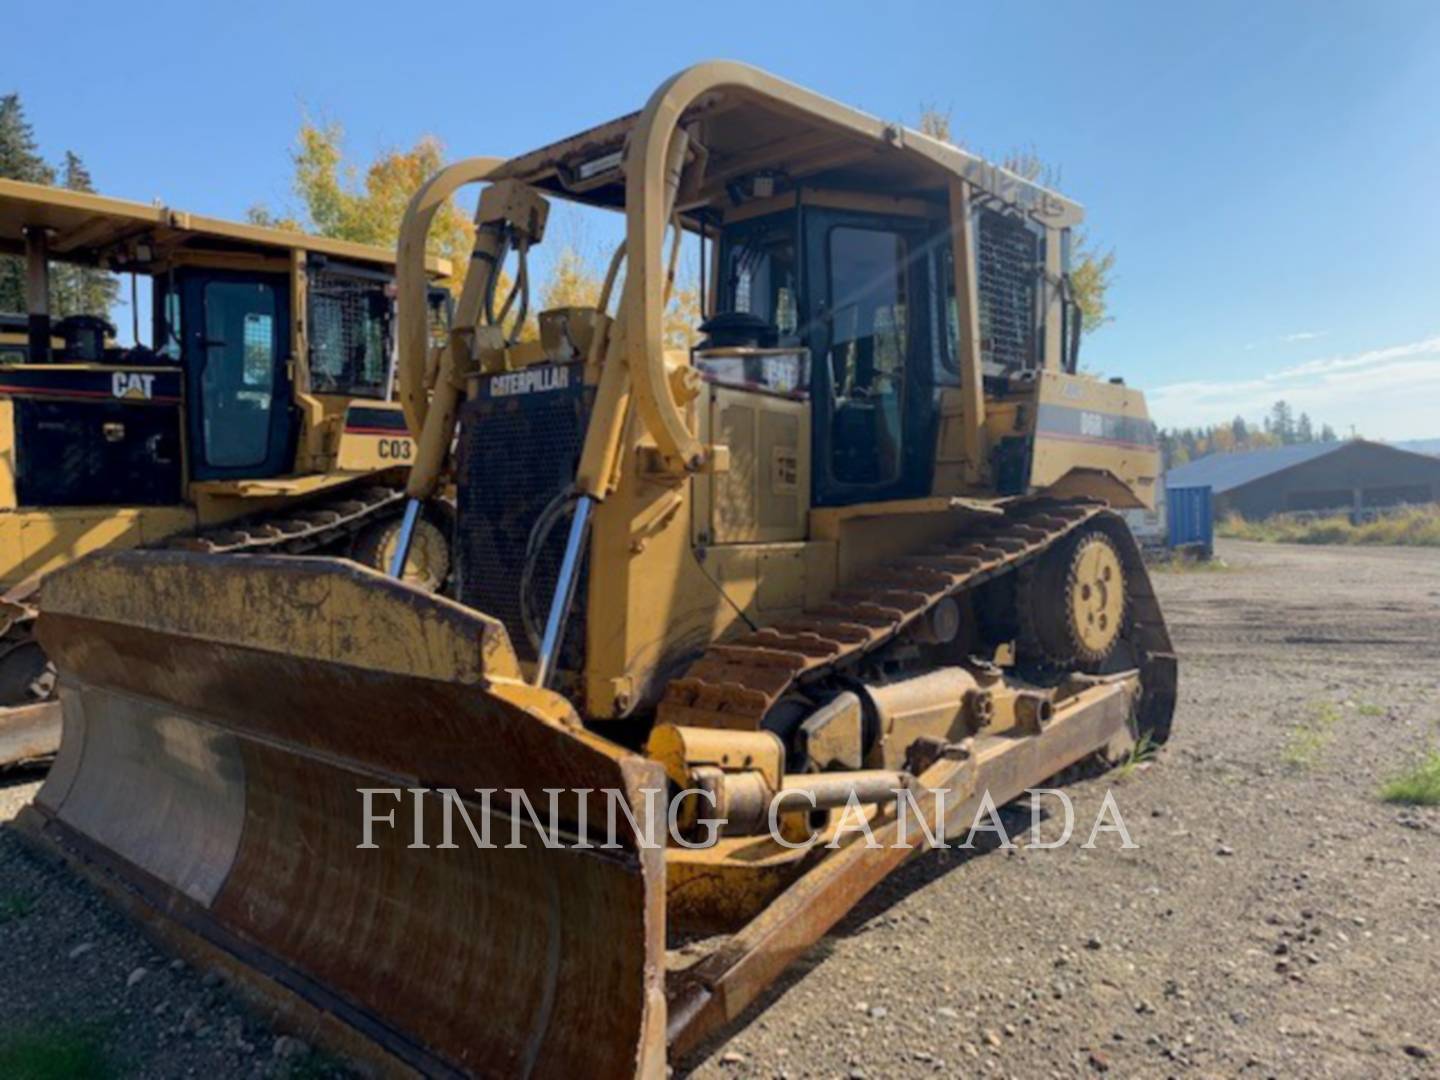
(1266,171)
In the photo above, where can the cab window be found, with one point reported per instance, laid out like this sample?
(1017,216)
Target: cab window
(351,334)
(868,345)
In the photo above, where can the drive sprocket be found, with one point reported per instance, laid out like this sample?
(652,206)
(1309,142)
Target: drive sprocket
(1073,601)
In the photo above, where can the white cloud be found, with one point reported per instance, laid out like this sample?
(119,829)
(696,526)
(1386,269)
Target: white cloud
(1391,392)
(1304,335)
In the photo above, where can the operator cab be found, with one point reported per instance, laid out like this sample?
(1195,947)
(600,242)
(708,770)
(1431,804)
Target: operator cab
(856,310)
(230,332)
(255,337)
(848,293)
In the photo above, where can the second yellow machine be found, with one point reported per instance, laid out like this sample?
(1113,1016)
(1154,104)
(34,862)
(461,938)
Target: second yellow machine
(258,418)
(855,551)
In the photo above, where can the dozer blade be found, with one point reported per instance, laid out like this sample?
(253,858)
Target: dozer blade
(221,716)
(29,734)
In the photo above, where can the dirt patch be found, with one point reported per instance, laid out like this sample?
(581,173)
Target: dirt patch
(1277,917)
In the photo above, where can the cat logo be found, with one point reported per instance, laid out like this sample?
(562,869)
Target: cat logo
(133,386)
(535,380)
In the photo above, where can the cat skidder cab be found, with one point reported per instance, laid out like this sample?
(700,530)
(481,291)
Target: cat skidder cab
(256,416)
(860,541)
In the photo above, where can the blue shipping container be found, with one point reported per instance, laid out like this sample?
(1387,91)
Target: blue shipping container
(1189,517)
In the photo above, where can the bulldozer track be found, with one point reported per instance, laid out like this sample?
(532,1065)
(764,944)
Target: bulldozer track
(736,683)
(296,530)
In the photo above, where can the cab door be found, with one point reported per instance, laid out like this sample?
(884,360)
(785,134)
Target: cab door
(870,337)
(236,335)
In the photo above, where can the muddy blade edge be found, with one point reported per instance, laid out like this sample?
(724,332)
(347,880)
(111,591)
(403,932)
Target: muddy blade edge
(220,782)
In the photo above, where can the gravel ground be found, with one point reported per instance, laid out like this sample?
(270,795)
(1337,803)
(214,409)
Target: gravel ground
(1276,919)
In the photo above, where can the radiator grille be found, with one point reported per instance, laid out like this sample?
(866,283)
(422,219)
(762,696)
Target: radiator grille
(520,443)
(1009,272)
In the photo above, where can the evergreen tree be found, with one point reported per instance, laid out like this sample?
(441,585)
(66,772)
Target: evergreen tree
(19,155)
(73,289)
(80,290)
(1303,431)
(1282,423)
(19,160)
(1180,445)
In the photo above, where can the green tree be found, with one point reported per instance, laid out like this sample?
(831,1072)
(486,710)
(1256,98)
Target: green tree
(76,290)
(1304,432)
(1282,422)
(19,160)
(1092,268)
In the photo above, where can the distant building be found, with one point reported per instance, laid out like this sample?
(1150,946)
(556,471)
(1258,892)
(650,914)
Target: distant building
(1354,475)
(1421,446)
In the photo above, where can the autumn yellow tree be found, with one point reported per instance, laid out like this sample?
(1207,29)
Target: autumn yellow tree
(1091,267)
(341,200)
(572,282)
(575,282)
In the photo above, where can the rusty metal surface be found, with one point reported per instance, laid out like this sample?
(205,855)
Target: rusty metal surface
(713,993)
(311,608)
(29,733)
(224,777)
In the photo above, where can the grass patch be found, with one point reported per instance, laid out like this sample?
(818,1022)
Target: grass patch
(1367,709)
(1184,565)
(1306,743)
(56,1052)
(15,906)
(1419,786)
(317,1065)
(1417,526)
(1144,750)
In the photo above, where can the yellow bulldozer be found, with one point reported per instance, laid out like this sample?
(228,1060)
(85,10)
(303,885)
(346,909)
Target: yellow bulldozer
(260,417)
(730,621)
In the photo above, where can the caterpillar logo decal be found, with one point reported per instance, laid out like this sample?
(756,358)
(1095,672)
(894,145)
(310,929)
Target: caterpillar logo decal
(91,384)
(133,385)
(535,380)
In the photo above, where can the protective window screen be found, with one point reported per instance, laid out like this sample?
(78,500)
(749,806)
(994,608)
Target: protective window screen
(1009,262)
(869,340)
(238,379)
(350,335)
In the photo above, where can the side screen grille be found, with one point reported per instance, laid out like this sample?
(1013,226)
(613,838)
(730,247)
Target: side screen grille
(350,334)
(1009,256)
(520,443)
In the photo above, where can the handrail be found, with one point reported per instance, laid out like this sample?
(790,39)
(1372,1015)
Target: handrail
(412,282)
